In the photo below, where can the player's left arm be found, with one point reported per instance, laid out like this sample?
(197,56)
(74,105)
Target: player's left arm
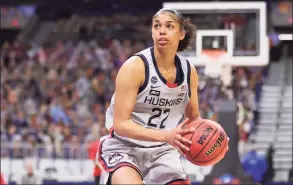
(192,109)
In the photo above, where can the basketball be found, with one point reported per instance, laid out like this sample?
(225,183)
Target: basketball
(209,141)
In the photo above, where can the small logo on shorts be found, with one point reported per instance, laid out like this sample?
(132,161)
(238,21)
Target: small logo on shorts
(115,158)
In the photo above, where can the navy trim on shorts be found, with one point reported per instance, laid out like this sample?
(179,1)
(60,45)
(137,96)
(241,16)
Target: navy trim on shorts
(188,77)
(109,180)
(176,180)
(147,72)
(101,152)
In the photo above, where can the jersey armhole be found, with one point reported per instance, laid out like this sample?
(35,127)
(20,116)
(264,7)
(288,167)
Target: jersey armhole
(188,77)
(147,73)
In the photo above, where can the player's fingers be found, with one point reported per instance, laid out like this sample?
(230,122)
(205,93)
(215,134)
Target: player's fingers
(183,140)
(181,146)
(182,123)
(186,131)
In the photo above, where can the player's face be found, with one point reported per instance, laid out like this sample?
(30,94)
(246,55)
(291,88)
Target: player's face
(166,31)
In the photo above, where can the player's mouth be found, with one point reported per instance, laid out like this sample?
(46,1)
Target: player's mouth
(163,41)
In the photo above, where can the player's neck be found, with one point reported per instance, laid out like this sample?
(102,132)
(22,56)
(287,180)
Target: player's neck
(165,59)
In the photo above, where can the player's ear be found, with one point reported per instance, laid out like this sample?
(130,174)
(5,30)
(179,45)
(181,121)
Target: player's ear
(182,36)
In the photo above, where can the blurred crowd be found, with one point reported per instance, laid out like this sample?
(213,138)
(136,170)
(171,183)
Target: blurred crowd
(54,97)
(56,94)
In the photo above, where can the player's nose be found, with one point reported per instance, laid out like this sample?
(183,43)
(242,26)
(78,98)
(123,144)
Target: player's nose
(162,31)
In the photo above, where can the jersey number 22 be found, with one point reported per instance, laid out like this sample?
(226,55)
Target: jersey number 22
(158,114)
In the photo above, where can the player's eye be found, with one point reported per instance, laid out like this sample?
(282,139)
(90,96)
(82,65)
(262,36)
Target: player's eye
(156,26)
(170,26)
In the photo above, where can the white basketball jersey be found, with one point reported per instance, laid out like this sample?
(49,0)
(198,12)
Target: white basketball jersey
(158,106)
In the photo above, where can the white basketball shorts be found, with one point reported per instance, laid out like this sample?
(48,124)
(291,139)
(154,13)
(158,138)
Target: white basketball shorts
(156,165)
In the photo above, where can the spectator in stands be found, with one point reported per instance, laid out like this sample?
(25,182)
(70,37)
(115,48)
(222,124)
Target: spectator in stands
(30,177)
(74,148)
(270,173)
(83,33)
(255,165)
(244,129)
(92,155)
(258,83)
(94,139)
(17,151)
(2,180)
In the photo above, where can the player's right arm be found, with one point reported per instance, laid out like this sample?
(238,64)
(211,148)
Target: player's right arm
(129,78)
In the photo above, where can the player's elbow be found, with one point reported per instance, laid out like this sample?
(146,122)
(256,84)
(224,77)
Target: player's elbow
(118,128)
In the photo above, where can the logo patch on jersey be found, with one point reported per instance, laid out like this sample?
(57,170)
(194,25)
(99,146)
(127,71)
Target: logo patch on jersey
(184,88)
(180,95)
(154,80)
(154,87)
(154,92)
(115,158)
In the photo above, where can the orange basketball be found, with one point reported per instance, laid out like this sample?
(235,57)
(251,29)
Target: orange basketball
(209,142)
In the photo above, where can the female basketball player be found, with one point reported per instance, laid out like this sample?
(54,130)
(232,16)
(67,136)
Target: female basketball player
(154,90)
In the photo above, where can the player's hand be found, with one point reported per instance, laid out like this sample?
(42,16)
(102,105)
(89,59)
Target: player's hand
(174,137)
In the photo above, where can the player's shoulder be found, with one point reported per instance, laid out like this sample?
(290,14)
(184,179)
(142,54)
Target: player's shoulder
(133,64)
(133,69)
(137,62)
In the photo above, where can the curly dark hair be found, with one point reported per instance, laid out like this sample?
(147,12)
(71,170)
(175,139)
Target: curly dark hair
(185,25)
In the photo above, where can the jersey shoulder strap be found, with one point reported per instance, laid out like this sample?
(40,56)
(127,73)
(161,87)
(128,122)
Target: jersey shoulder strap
(146,57)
